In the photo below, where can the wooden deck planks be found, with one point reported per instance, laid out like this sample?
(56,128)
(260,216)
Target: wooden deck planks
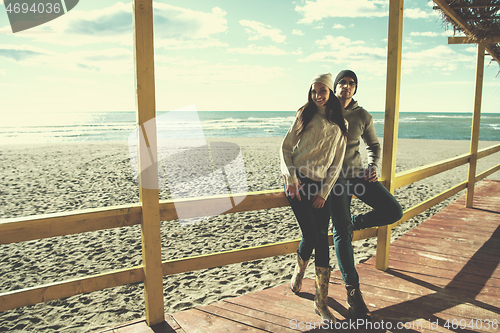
(140,326)
(479,266)
(446,269)
(447,274)
(412,301)
(222,317)
(457,247)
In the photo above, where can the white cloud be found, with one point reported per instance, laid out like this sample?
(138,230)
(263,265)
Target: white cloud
(426,34)
(355,56)
(264,50)
(70,80)
(175,27)
(298,32)
(316,10)
(178,61)
(441,59)
(417,13)
(411,42)
(338,26)
(450,33)
(20,53)
(215,74)
(252,49)
(114,61)
(179,69)
(336,43)
(3,72)
(109,25)
(430,34)
(355,53)
(259,30)
(174,43)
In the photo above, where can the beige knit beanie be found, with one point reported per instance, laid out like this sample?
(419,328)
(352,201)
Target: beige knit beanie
(326,79)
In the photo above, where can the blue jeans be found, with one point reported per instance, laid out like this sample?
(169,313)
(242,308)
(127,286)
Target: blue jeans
(386,210)
(313,222)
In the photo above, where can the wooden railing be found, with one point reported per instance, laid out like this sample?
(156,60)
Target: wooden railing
(38,227)
(149,211)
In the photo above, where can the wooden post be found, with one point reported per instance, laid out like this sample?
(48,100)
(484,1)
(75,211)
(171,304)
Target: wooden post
(394,47)
(147,158)
(476,120)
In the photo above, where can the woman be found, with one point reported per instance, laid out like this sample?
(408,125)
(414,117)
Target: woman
(312,153)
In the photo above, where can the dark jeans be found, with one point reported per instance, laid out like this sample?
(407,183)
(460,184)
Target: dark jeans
(313,222)
(386,210)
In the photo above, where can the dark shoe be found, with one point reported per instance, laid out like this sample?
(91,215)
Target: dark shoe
(357,306)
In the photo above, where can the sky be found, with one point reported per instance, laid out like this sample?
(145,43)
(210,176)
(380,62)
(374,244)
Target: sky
(230,55)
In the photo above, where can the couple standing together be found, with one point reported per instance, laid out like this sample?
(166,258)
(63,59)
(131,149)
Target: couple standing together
(322,168)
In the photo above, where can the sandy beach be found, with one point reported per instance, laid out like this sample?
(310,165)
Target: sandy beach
(47,178)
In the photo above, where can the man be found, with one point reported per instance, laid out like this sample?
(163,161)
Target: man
(362,182)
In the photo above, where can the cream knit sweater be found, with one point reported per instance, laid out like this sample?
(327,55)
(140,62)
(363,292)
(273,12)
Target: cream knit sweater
(317,153)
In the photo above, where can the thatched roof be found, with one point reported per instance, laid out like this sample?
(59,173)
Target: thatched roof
(477,19)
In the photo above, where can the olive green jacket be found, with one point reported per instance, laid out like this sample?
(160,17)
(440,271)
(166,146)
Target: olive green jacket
(360,127)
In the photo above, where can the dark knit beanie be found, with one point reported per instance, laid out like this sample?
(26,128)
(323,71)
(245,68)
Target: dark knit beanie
(344,73)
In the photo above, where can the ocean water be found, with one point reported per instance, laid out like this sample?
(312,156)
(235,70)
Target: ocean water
(118,126)
(441,125)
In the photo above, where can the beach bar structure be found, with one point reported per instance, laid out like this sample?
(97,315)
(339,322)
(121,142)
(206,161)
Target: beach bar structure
(150,211)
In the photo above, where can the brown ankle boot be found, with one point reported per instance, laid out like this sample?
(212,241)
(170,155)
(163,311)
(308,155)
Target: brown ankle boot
(357,306)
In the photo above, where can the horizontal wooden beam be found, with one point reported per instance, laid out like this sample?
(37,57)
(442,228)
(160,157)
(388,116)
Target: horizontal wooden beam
(30,296)
(228,257)
(422,207)
(224,204)
(468,19)
(469,6)
(493,54)
(488,151)
(414,175)
(67,223)
(28,228)
(248,254)
(486,173)
(363,234)
(470,40)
